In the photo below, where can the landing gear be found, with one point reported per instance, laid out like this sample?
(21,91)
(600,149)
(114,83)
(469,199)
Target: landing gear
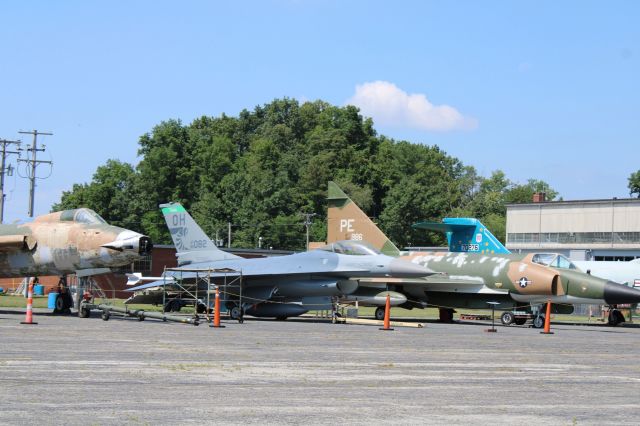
(64,302)
(520,321)
(538,321)
(84,311)
(507,318)
(379,314)
(173,305)
(615,317)
(446,315)
(235,312)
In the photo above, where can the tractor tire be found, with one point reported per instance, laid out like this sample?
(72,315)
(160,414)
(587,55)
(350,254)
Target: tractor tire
(507,318)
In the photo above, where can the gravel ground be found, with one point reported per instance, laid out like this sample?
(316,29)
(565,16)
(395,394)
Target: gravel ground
(68,370)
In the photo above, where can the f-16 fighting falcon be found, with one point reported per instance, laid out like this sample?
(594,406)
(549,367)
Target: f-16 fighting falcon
(479,274)
(282,286)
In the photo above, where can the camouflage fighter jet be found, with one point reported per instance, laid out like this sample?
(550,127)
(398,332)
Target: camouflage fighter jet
(473,278)
(71,241)
(470,235)
(282,286)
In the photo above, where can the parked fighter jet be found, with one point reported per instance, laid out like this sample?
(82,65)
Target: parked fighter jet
(66,242)
(280,286)
(469,235)
(472,279)
(71,241)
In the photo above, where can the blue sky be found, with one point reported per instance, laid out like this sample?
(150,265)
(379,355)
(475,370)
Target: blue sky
(539,89)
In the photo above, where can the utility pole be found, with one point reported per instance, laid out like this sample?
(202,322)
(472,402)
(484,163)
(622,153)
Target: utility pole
(33,162)
(307,223)
(3,169)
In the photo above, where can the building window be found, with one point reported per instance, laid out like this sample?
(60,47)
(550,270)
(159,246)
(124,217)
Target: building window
(575,237)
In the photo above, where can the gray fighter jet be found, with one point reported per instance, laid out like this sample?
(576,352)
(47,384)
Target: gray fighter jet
(281,286)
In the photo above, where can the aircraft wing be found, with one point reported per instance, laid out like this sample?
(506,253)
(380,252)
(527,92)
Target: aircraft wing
(167,283)
(19,242)
(442,227)
(435,283)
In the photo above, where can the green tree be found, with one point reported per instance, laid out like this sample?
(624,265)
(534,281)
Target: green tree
(109,194)
(634,184)
(260,170)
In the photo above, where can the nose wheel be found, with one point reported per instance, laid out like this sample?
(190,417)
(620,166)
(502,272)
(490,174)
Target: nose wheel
(379,314)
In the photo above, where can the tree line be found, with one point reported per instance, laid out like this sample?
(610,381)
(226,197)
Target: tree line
(261,170)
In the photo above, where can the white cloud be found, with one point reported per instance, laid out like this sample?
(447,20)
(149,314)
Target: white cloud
(389,105)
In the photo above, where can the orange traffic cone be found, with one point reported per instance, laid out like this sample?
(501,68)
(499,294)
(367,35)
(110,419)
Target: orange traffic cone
(387,315)
(547,320)
(29,317)
(216,313)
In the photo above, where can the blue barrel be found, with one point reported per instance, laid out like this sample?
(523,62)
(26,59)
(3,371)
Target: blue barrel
(38,290)
(1,290)
(52,300)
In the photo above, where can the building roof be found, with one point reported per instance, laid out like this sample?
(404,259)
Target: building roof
(569,202)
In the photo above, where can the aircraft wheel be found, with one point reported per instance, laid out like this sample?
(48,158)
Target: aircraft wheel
(84,312)
(105,316)
(615,317)
(59,304)
(507,318)
(379,313)
(520,321)
(173,306)
(235,313)
(538,321)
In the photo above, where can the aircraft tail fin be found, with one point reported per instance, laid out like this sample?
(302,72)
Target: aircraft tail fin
(192,244)
(466,235)
(345,221)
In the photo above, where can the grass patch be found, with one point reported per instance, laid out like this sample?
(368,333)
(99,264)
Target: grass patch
(10,301)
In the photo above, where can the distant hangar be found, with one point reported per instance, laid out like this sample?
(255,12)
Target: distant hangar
(582,230)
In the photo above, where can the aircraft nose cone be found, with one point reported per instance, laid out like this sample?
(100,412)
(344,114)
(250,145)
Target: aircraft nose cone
(615,293)
(402,269)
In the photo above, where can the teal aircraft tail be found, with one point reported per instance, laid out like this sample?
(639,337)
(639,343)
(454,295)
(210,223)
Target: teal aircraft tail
(192,244)
(466,235)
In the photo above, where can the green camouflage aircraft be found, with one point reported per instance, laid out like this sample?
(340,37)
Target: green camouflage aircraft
(472,278)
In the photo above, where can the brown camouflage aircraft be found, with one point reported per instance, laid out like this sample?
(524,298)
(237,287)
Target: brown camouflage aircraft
(470,280)
(70,241)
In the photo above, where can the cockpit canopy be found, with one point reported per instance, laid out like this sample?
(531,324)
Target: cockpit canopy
(554,260)
(82,215)
(354,248)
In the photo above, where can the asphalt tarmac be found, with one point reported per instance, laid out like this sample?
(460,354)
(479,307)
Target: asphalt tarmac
(68,370)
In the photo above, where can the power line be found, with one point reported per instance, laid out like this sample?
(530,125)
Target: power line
(33,162)
(7,170)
